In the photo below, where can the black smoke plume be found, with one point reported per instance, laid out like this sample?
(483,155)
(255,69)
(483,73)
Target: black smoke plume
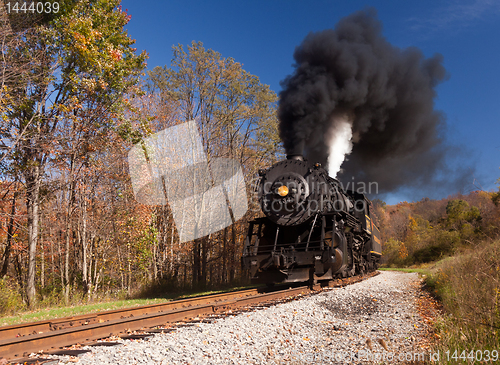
(388,93)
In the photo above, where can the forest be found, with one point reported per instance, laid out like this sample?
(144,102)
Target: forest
(428,230)
(75,98)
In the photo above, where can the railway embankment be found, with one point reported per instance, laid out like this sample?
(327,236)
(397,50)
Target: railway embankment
(377,320)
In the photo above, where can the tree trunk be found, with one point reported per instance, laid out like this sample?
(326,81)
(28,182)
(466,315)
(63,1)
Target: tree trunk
(224,257)
(19,274)
(204,258)
(84,245)
(129,271)
(10,232)
(172,250)
(95,279)
(42,269)
(52,262)
(66,258)
(89,275)
(232,265)
(32,204)
(155,261)
(68,229)
(120,267)
(196,262)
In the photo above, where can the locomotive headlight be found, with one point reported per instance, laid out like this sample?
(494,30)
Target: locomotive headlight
(283,190)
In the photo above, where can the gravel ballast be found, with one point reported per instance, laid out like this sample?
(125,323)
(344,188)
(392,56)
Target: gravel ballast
(373,321)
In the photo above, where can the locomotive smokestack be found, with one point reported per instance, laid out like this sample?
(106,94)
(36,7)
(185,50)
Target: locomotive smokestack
(297,152)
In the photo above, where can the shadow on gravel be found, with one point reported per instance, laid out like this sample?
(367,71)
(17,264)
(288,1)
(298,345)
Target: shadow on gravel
(358,306)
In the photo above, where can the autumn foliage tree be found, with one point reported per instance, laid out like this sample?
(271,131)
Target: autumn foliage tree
(67,101)
(71,227)
(236,117)
(428,230)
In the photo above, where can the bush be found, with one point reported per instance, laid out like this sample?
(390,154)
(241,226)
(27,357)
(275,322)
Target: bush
(11,300)
(429,253)
(394,253)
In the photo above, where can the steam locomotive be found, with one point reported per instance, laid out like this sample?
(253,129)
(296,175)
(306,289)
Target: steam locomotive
(312,230)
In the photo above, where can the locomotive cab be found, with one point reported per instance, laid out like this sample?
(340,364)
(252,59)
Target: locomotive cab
(362,211)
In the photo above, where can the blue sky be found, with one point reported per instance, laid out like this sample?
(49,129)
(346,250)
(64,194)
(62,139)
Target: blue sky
(262,35)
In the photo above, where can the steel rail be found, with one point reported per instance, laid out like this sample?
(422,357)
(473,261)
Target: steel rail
(50,335)
(31,328)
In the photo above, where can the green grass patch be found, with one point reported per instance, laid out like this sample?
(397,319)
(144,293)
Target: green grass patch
(59,312)
(405,269)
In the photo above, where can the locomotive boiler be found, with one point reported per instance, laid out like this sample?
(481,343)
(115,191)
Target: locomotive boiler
(311,230)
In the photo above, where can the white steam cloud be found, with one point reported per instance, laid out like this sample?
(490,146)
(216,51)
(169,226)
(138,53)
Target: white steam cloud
(340,143)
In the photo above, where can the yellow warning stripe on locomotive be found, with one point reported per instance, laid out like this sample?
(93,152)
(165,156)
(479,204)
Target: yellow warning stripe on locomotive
(376,253)
(368,224)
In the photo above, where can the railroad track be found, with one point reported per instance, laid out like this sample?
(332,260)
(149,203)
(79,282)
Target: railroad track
(18,341)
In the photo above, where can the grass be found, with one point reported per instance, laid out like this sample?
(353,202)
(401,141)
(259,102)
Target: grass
(405,269)
(424,269)
(468,286)
(59,312)
(75,310)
